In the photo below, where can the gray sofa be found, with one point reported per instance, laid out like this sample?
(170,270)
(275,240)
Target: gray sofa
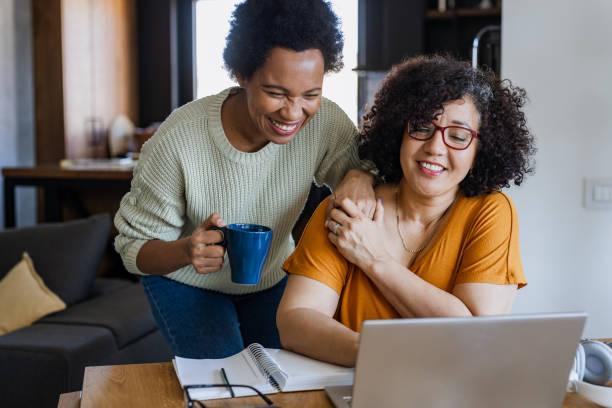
(107,320)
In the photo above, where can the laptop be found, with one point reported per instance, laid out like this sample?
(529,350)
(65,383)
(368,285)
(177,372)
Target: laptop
(500,361)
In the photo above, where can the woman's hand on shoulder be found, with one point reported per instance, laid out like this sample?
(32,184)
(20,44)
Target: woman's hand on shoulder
(203,249)
(356,186)
(358,238)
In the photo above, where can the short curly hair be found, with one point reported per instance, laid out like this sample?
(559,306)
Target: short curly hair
(258,26)
(416,90)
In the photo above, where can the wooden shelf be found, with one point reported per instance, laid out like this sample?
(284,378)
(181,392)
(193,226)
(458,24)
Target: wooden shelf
(433,14)
(56,172)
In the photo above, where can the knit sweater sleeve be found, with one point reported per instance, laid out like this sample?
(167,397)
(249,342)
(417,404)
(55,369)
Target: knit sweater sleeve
(340,140)
(155,206)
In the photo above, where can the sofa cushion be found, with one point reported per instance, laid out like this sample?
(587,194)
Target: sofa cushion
(66,254)
(104,285)
(24,297)
(48,359)
(125,312)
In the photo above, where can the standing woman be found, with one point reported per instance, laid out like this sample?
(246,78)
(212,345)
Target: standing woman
(445,138)
(248,154)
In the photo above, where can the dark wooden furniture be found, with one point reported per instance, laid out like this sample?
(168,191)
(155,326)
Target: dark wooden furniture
(453,32)
(166,44)
(60,186)
(390,30)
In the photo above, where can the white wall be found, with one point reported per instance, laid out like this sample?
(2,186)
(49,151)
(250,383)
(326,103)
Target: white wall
(560,51)
(16,100)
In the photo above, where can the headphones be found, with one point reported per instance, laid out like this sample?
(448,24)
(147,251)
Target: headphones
(592,369)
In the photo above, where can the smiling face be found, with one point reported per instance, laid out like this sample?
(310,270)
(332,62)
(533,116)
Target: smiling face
(431,168)
(282,95)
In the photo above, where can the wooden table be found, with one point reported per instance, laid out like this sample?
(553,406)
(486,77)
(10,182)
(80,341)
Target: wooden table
(156,385)
(58,184)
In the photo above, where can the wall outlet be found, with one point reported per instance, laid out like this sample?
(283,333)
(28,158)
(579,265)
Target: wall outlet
(598,193)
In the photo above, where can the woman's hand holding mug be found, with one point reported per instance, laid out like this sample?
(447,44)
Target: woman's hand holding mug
(204,246)
(247,246)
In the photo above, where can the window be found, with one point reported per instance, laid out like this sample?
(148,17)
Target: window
(212,26)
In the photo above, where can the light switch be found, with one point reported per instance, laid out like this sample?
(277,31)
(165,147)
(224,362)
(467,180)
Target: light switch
(598,193)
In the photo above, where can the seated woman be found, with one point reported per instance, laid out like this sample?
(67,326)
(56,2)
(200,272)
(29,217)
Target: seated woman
(445,242)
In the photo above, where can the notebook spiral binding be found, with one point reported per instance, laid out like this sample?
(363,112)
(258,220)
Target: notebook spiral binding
(266,364)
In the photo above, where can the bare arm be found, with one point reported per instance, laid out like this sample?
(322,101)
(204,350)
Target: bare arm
(485,298)
(412,296)
(158,257)
(306,324)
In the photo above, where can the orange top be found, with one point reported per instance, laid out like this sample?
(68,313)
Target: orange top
(478,243)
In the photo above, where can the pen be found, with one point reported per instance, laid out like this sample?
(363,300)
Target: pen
(226,382)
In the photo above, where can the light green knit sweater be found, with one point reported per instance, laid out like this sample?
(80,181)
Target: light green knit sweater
(189,170)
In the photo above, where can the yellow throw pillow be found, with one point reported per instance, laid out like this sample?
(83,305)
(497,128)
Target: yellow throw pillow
(24,297)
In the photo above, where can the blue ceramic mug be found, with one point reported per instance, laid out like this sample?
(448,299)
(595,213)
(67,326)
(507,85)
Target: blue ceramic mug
(247,247)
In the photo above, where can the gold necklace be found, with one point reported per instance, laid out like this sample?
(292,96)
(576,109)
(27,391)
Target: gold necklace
(399,230)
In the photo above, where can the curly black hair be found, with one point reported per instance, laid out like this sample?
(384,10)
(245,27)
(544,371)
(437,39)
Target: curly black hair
(416,90)
(257,26)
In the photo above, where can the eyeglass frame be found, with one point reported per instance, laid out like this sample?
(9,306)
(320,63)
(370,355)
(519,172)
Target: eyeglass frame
(193,403)
(442,129)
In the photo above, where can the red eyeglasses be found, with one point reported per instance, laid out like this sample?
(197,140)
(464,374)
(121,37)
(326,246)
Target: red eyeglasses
(455,137)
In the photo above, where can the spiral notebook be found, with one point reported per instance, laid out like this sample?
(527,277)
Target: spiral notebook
(268,370)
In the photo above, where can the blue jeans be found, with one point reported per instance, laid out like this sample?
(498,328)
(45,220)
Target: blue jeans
(201,323)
